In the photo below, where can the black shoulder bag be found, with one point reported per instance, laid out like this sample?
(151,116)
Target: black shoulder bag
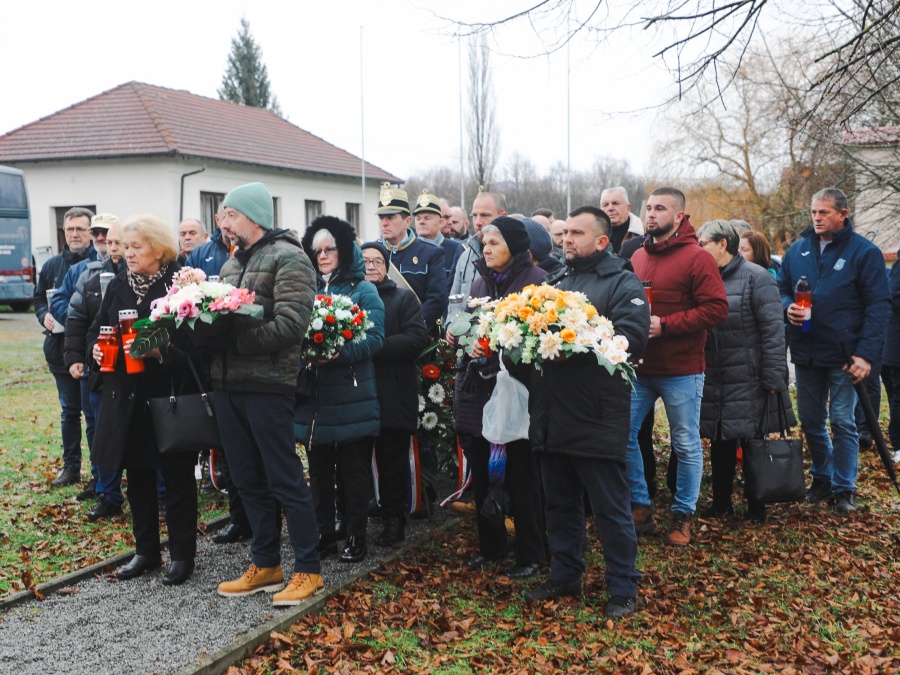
(773,470)
(187,422)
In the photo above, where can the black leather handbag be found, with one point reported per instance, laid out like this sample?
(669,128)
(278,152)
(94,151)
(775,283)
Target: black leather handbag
(185,422)
(773,469)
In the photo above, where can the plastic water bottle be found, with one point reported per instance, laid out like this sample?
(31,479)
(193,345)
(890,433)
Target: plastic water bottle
(803,297)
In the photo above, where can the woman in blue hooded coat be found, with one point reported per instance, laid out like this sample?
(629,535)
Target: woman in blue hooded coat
(337,415)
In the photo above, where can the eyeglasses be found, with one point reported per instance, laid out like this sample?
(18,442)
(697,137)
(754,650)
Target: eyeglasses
(375,262)
(79,230)
(328,250)
(704,242)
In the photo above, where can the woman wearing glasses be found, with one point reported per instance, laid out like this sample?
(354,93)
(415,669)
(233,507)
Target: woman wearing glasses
(396,374)
(745,366)
(337,413)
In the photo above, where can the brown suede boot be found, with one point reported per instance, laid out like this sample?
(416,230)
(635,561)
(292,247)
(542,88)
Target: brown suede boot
(680,534)
(643,519)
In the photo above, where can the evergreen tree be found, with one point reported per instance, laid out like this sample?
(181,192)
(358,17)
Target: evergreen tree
(246,80)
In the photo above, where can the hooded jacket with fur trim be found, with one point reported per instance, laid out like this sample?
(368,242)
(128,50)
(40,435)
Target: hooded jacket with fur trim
(343,403)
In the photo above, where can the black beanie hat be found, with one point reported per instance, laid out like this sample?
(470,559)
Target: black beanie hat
(378,247)
(514,234)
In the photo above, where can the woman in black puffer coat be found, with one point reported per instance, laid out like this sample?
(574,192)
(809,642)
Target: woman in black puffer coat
(506,268)
(745,365)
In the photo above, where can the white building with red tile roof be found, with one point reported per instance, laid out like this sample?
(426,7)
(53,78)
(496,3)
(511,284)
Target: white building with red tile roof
(140,148)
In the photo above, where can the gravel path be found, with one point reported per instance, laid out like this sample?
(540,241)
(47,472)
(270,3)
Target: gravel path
(141,626)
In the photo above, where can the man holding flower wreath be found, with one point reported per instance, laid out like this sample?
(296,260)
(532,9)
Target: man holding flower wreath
(579,422)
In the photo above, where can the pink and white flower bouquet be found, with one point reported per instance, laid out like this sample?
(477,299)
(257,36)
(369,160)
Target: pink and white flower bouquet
(194,302)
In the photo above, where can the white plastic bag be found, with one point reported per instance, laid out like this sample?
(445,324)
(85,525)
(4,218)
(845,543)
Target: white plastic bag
(505,418)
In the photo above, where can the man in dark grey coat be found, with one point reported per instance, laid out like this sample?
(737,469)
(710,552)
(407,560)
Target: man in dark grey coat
(579,423)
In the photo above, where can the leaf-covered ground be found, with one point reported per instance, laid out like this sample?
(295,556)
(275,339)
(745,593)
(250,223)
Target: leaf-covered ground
(44,532)
(809,592)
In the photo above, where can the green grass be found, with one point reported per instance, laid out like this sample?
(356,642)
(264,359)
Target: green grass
(44,532)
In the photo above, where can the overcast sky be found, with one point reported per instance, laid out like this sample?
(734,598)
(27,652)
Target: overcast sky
(55,57)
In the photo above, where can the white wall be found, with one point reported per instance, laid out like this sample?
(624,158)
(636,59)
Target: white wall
(876,210)
(128,186)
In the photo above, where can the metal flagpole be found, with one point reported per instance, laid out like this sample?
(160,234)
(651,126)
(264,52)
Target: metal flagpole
(462,171)
(568,117)
(362,136)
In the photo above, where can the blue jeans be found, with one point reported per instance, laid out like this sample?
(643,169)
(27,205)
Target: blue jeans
(828,393)
(681,395)
(69,390)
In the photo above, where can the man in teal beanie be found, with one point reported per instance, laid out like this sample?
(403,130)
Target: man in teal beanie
(255,201)
(254,385)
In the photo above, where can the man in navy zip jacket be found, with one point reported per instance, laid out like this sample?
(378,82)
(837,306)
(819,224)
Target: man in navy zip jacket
(850,303)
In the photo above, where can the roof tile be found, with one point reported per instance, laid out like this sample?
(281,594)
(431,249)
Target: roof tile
(139,120)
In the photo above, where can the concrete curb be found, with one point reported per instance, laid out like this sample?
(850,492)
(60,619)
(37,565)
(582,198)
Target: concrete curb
(102,567)
(219,661)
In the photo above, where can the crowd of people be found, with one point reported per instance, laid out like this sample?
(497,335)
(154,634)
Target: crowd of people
(709,314)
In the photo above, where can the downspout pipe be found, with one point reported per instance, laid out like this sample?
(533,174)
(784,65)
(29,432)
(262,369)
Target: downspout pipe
(181,205)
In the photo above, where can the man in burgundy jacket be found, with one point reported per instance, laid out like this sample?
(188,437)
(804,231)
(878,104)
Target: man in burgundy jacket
(686,297)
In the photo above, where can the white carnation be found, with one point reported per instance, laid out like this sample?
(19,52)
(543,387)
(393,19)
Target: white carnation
(550,345)
(317,324)
(484,324)
(509,336)
(573,318)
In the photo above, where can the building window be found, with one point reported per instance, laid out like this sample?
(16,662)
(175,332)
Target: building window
(276,205)
(209,206)
(353,215)
(60,212)
(313,210)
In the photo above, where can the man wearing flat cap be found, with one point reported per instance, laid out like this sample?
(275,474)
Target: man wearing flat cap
(427,213)
(419,261)
(254,383)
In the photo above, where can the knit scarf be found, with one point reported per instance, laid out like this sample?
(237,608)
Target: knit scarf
(140,283)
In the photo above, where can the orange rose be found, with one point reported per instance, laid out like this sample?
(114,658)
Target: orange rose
(567,335)
(525,312)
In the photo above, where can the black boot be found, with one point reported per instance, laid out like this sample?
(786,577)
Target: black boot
(355,550)
(68,475)
(393,532)
(327,545)
(89,492)
(138,565)
(179,571)
(103,510)
(231,533)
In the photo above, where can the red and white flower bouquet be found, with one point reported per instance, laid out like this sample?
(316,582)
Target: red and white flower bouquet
(335,321)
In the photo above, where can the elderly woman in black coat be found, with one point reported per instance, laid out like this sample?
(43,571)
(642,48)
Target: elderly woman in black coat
(506,267)
(124,437)
(745,365)
(396,376)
